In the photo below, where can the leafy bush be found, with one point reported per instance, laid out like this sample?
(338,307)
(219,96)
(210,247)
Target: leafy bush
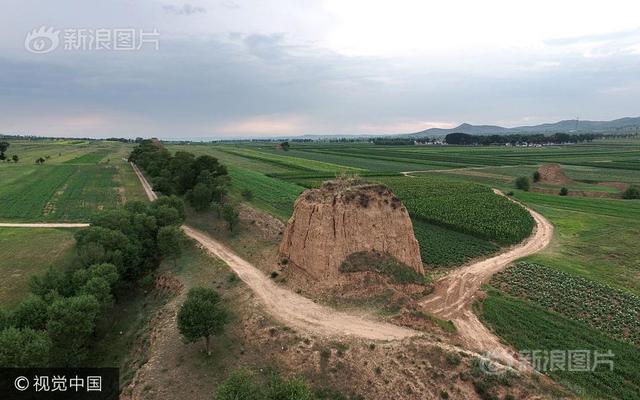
(536,176)
(522,183)
(244,385)
(564,191)
(632,192)
(381,263)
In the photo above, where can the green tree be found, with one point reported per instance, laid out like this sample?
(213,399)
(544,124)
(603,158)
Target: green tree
(100,289)
(231,215)
(71,323)
(170,239)
(166,216)
(201,196)
(24,348)
(3,147)
(174,202)
(15,158)
(31,313)
(39,161)
(564,191)
(522,183)
(202,316)
(53,282)
(285,146)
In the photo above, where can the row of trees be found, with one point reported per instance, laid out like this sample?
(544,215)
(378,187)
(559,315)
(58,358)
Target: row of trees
(54,325)
(538,138)
(201,179)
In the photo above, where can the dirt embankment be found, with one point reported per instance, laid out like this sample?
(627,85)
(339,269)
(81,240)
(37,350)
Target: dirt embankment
(553,174)
(342,218)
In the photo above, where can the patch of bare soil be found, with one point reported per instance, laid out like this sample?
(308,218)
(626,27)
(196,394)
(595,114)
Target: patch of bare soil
(267,226)
(553,174)
(621,186)
(414,368)
(579,193)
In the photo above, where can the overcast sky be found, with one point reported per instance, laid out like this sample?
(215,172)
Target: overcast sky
(231,68)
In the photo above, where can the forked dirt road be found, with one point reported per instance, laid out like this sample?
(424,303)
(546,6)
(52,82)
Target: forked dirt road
(290,308)
(455,293)
(452,299)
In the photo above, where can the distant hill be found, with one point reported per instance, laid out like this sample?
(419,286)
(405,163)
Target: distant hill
(566,126)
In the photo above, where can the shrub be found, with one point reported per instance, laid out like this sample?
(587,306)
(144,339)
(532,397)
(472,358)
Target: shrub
(632,192)
(238,386)
(247,194)
(381,263)
(522,183)
(564,191)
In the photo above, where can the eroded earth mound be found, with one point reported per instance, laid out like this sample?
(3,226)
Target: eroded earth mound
(345,217)
(553,174)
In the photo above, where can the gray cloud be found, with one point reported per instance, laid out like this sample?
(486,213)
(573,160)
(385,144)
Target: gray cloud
(209,84)
(185,9)
(620,35)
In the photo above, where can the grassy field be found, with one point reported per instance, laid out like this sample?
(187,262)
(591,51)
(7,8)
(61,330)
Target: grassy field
(28,252)
(77,179)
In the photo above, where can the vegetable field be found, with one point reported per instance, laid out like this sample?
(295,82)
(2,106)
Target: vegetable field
(530,328)
(611,311)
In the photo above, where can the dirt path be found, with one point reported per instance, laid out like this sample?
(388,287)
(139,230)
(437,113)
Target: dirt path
(455,293)
(145,184)
(43,225)
(294,310)
(452,298)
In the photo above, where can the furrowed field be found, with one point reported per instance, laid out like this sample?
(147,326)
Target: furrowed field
(75,180)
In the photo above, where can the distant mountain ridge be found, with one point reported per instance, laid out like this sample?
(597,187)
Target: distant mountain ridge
(566,126)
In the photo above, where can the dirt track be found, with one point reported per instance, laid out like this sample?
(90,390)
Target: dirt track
(43,225)
(455,293)
(294,310)
(452,298)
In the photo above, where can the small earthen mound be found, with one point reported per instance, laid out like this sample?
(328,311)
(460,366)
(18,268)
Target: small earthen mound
(553,174)
(345,217)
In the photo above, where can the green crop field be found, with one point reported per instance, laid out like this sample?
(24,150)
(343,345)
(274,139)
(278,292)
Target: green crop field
(531,328)
(442,247)
(613,312)
(464,207)
(76,180)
